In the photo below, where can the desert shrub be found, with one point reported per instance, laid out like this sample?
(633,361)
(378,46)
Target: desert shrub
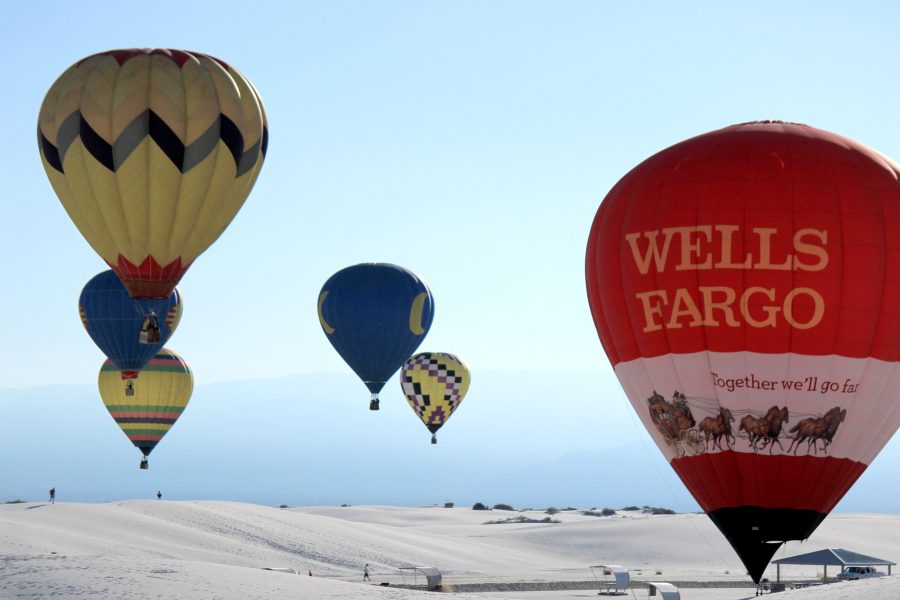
(15,502)
(552,510)
(479,506)
(344,505)
(606,512)
(520,519)
(658,511)
(448,505)
(283,506)
(569,508)
(503,507)
(632,508)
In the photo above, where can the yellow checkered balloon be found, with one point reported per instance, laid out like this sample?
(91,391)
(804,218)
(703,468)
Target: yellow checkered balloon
(434,383)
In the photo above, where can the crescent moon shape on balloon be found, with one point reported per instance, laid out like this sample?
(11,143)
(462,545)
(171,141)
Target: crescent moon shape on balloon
(415,314)
(328,328)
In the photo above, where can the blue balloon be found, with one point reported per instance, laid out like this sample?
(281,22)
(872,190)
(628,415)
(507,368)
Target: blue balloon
(375,315)
(129,332)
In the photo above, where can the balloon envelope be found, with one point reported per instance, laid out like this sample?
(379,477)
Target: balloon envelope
(159,396)
(745,285)
(152,153)
(129,332)
(435,383)
(375,315)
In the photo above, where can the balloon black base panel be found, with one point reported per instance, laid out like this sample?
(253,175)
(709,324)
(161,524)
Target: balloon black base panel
(756,533)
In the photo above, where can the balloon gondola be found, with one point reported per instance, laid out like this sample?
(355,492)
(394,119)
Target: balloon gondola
(745,285)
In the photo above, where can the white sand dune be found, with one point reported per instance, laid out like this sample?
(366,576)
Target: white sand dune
(163,549)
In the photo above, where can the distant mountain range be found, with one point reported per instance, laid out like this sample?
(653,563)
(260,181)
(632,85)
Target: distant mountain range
(528,439)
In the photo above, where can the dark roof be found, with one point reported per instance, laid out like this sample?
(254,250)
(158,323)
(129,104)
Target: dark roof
(833,556)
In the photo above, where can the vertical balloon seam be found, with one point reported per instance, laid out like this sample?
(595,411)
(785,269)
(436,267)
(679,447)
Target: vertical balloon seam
(197,209)
(601,276)
(170,251)
(55,144)
(781,467)
(798,499)
(844,237)
(245,176)
(708,148)
(712,147)
(72,206)
(256,151)
(385,348)
(211,70)
(132,229)
(87,157)
(843,204)
(625,216)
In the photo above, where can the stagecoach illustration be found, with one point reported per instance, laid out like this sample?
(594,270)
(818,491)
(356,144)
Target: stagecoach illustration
(758,431)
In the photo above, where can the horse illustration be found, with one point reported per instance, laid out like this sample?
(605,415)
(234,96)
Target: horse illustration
(765,429)
(775,427)
(813,429)
(715,428)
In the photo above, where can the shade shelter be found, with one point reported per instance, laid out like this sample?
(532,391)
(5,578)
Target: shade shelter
(430,575)
(835,557)
(613,579)
(666,591)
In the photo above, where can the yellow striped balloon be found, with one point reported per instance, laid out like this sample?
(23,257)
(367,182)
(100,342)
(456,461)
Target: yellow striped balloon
(152,153)
(434,383)
(146,407)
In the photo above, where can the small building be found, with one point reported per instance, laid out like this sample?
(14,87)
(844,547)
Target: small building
(832,557)
(613,579)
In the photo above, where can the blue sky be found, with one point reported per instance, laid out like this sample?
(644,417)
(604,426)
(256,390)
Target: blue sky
(468,141)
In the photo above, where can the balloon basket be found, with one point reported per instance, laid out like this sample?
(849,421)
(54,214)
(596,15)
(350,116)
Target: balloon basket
(144,464)
(434,439)
(373,403)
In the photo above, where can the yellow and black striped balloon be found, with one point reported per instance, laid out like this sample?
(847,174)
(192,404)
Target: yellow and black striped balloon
(152,153)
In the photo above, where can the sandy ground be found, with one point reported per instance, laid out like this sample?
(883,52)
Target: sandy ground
(153,549)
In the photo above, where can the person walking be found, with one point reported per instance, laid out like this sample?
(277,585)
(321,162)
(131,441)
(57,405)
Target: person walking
(366,573)
(53,495)
(158,495)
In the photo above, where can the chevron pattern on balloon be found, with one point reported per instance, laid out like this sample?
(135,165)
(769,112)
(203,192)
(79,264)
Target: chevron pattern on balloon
(149,124)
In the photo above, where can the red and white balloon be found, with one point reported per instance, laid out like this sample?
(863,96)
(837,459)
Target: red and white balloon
(745,285)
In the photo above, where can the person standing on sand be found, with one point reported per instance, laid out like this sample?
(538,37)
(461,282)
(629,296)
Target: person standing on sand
(366,573)
(158,495)
(53,495)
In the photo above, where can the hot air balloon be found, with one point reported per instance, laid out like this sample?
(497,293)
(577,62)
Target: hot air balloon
(434,383)
(129,332)
(745,285)
(375,315)
(148,414)
(152,153)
